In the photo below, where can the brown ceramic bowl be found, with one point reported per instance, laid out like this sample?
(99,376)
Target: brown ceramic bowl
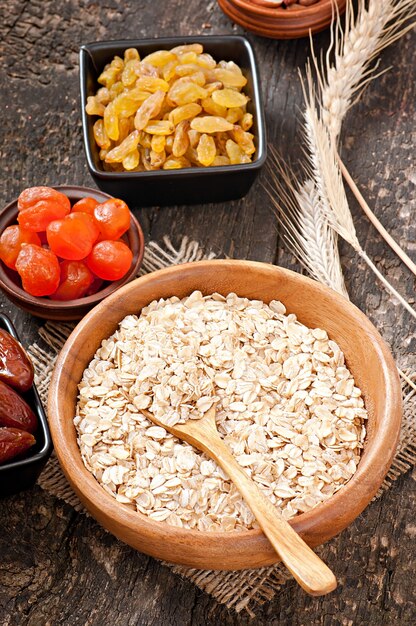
(279,23)
(367,356)
(71,309)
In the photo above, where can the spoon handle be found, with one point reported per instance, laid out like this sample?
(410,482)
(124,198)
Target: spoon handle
(306,567)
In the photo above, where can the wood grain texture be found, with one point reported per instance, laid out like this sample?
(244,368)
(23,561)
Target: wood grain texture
(59,567)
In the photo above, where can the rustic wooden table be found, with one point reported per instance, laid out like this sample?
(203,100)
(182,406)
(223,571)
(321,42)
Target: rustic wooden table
(59,567)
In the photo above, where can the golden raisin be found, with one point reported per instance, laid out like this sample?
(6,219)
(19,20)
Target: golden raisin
(212,108)
(117,154)
(185,92)
(230,78)
(160,58)
(244,139)
(229,98)
(175,108)
(206,150)
(94,107)
(181,141)
(235,153)
(234,115)
(176,163)
(111,122)
(159,127)
(210,124)
(131,161)
(185,112)
(246,121)
(158,143)
(100,134)
(148,83)
(149,109)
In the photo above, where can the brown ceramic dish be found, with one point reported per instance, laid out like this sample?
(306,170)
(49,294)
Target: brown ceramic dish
(71,309)
(367,356)
(278,23)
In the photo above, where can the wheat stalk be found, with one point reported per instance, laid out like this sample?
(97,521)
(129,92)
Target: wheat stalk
(342,78)
(306,206)
(374,220)
(324,170)
(306,230)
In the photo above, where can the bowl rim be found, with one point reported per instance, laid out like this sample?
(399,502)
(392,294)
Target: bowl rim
(323,6)
(84,52)
(358,489)
(12,289)
(47,447)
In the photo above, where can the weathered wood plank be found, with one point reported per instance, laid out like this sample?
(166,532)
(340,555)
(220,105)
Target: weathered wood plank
(59,567)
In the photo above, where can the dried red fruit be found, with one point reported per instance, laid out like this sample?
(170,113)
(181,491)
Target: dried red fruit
(40,205)
(113,218)
(11,241)
(16,369)
(73,236)
(14,442)
(39,270)
(76,279)
(14,411)
(110,260)
(85,205)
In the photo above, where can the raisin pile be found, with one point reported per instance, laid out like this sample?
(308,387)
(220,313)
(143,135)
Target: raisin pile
(172,109)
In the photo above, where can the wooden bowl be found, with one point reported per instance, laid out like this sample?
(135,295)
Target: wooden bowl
(71,309)
(367,356)
(278,23)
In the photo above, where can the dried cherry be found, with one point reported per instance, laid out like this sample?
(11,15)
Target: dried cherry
(110,260)
(73,236)
(39,270)
(40,205)
(11,241)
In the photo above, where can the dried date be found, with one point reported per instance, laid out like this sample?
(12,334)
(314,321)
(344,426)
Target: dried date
(15,367)
(13,443)
(14,411)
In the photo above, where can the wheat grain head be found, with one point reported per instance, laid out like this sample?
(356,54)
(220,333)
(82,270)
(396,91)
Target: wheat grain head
(353,49)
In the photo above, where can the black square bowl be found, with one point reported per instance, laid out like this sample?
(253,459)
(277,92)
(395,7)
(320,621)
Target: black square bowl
(22,473)
(196,185)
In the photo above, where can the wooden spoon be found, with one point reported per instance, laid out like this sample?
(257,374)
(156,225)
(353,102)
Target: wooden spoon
(306,567)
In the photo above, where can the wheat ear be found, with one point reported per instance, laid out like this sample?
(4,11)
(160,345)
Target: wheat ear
(344,74)
(365,35)
(323,168)
(306,230)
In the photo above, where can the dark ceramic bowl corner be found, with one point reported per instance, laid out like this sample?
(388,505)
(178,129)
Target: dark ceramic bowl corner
(22,473)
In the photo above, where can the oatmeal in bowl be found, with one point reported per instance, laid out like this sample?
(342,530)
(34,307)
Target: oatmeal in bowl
(287,406)
(307,398)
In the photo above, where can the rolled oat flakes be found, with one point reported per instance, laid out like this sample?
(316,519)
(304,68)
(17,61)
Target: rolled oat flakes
(287,406)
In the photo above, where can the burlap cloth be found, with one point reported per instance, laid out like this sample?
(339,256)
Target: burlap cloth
(238,590)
